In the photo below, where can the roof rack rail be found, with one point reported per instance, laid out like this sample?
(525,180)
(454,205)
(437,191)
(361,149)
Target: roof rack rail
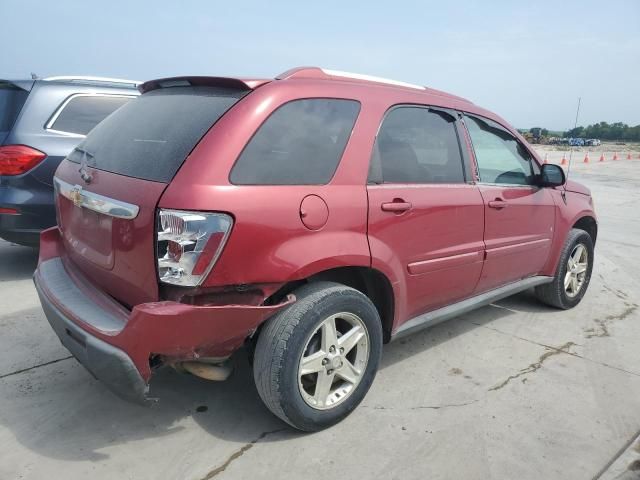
(89,79)
(323,73)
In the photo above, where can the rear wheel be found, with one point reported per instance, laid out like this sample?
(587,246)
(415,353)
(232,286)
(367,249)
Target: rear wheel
(315,361)
(572,274)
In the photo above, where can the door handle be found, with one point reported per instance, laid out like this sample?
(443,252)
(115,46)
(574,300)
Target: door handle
(498,203)
(397,206)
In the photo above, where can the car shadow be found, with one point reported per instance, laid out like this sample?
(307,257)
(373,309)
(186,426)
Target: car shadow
(17,262)
(90,417)
(526,302)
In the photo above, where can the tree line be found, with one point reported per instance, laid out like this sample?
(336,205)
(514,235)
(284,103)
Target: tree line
(606,131)
(602,130)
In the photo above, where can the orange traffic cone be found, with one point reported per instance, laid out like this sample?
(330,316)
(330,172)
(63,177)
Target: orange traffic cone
(615,156)
(546,158)
(601,157)
(564,159)
(586,158)
(629,156)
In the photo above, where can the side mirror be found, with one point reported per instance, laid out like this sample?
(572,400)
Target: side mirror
(552,176)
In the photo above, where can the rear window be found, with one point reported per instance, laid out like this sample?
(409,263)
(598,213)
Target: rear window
(150,137)
(83,112)
(301,143)
(12,99)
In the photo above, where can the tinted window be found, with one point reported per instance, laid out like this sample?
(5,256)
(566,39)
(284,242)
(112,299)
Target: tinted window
(417,145)
(501,158)
(301,143)
(151,136)
(11,101)
(82,113)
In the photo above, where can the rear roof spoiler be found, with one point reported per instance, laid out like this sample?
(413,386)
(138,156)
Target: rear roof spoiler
(223,82)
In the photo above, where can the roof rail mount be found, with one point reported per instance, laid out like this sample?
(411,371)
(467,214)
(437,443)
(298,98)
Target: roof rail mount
(323,73)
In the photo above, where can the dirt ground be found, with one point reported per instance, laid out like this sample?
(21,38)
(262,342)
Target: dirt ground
(515,390)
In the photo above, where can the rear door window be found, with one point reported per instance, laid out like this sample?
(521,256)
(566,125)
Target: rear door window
(12,99)
(80,113)
(150,137)
(417,145)
(301,143)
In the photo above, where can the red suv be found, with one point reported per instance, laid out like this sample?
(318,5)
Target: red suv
(310,218)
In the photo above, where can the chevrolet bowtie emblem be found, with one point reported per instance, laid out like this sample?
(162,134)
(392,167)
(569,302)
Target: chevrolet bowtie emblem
(75,195)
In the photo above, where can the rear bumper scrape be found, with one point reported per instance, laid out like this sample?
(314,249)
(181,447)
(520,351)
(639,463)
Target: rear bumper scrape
(116,344)
(109,364)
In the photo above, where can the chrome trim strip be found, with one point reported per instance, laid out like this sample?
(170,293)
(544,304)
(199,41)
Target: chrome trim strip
(95,202)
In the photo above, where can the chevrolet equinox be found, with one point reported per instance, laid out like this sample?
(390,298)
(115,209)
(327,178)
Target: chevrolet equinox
(310,219)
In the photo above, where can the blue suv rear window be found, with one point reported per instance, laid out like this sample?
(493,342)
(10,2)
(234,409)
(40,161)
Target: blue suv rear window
(83,112)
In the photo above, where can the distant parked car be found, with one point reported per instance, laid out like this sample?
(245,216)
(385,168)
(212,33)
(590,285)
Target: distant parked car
(41,121)
(592,142)
(576,142)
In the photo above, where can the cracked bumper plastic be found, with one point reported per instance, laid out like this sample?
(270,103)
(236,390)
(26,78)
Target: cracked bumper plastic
(116,344)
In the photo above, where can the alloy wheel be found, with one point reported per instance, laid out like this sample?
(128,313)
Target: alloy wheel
(334,361)
(576,270)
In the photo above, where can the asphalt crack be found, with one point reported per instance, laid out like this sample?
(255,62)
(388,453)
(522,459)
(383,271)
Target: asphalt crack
(602,325)
(238,453)
(618,293)
(573,354)
(534,367)
(35,366)
(600,330)
(422,407)
(446,405)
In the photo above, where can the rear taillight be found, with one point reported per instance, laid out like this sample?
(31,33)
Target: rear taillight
(189,243)
(18,159)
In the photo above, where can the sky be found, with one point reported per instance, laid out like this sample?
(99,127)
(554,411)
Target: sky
(528,61)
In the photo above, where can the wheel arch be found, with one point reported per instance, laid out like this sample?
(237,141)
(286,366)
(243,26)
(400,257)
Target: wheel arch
(583,220)
(369,281)
(589,225)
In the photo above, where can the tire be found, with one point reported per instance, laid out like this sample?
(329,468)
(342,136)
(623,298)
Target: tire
(290,334)
(554,293)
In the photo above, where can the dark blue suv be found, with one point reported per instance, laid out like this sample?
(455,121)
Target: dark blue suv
(41,121)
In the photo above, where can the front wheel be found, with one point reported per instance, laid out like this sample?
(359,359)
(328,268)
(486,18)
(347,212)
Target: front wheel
(315,361)
(572,274)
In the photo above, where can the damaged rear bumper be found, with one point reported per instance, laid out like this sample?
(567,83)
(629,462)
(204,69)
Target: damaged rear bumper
(116,345)
(107,363)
